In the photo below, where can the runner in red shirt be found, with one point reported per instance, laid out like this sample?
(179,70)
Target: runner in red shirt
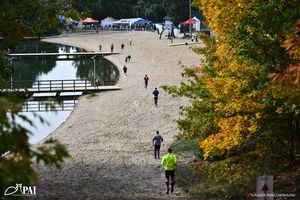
(146,79)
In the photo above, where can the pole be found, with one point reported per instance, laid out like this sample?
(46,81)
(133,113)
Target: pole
(11,75)
(93,58)
(190,14)
(94,69)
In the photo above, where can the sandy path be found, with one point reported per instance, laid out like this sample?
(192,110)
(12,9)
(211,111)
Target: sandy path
(109,136)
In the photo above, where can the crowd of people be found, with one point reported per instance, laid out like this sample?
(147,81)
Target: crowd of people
(73,27)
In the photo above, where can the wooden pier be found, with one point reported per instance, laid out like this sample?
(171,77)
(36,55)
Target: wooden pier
(61,54)
(56,86)
(185,43)
(49,105)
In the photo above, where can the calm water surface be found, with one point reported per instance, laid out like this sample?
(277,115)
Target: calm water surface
(59,68)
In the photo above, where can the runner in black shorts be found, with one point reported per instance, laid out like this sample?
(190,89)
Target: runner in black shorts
(169,173)
(169,162)
(155,94)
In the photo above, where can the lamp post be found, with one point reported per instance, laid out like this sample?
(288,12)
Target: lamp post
(190,14)
(93,58)
(11,75)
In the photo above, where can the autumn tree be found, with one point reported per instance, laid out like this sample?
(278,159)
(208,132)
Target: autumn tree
(245,95)
(19,19)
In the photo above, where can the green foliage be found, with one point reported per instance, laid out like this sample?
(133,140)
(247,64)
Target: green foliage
(194,177)
(17,154)
(154,10)
(31,18)
(19,19)
(178,9)
(187,145)
(91,95)
(120,9)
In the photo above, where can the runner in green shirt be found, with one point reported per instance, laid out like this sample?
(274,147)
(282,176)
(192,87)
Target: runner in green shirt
(169,162)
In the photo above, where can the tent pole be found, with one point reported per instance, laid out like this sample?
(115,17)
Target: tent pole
(190,13)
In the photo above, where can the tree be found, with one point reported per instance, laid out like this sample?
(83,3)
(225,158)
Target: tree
(245,107)
(19,19)
(178,10)
(95,8)
(155,10)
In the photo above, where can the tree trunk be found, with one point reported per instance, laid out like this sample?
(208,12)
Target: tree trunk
(297,131)
(292,142)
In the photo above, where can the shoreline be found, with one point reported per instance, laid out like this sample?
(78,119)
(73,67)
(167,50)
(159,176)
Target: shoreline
(109,136)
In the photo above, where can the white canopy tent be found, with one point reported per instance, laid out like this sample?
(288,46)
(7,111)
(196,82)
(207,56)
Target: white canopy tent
(198,23)
(108,21)
(126,21)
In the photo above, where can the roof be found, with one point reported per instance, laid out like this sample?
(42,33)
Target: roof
(143,21)
(189,21)
(197,20)
(89,20)
(167,18)
(109,19)
(127,21)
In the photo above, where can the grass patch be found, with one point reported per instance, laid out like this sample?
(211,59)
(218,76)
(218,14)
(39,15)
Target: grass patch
(200,186)
(91,95)
(188,146)
(197,184)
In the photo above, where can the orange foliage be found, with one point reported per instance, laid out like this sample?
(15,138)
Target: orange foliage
(292,46)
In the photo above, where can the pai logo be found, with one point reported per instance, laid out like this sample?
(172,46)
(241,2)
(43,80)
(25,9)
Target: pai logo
(20,190)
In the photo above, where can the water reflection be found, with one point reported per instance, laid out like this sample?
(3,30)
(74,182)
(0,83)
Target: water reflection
(33,46)
(106,72)
(41,104)
(75,67)
(54,111)
(58,68)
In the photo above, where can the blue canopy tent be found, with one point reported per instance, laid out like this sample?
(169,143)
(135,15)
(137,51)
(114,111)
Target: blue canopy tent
(142,22)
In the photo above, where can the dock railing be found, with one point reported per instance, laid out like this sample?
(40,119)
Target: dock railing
(59,86)
(52,85)
(49,105)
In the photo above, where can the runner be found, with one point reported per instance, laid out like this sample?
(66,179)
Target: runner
(125,70)
(146,79)
(157,139)
(169,162)
(112,47)
(155,94)
(129,58)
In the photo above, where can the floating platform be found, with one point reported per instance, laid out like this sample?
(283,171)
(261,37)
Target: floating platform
(57,86)
(185,43)
(59,90)
(61,54)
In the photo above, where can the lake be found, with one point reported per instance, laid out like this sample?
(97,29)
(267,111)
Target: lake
(58,68)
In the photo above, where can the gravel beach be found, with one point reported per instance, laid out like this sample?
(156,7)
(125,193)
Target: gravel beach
(110,136)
